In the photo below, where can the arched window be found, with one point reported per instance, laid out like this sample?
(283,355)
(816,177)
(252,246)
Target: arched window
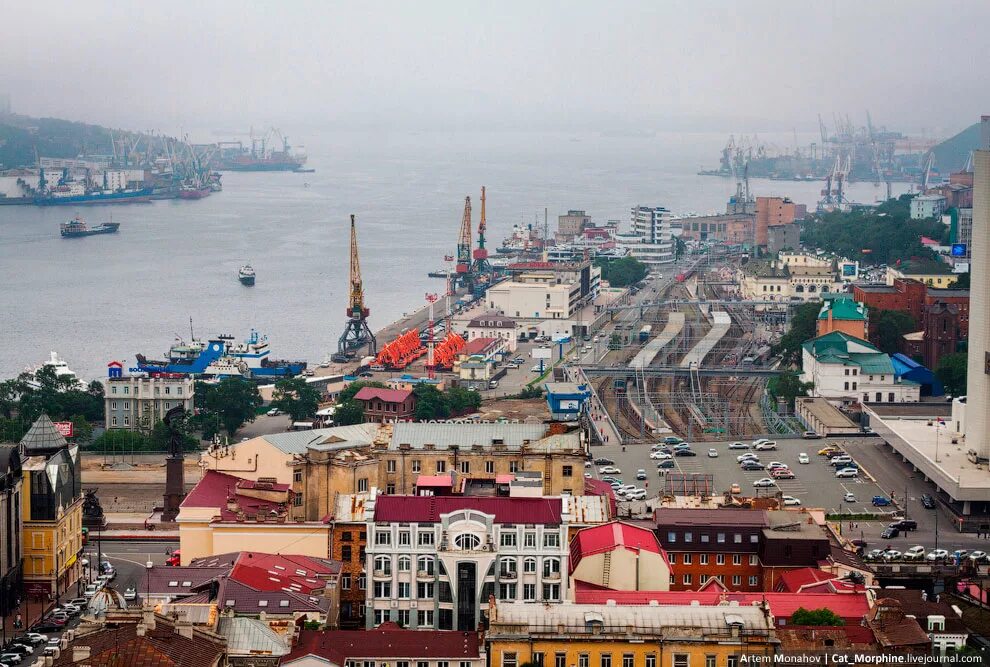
(467,542)
(799,289)
(551,566)
(425,564)
(405,562)
(507,567)
(812,288)
(825,288)
(383,564)
(529,565)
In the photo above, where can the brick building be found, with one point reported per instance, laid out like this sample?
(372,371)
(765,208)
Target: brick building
(942,324)
(913,297)
(842,315)
(386,405)
(775,211)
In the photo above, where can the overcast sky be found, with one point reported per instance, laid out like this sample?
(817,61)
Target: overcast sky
(721,66)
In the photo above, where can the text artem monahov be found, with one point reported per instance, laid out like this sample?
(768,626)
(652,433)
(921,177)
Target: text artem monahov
(857,659)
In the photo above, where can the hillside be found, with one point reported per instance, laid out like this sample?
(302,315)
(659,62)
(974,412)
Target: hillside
(22,137)
(952,154)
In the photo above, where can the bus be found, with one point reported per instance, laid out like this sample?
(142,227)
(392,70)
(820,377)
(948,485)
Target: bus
(644,333)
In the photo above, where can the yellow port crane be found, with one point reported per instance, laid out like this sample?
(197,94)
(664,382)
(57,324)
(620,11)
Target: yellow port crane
(357,333)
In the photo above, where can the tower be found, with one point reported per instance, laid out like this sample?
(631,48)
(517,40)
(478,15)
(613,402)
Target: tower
(464,274)
(978,369)
(175,486)
(357,333)
(481,268)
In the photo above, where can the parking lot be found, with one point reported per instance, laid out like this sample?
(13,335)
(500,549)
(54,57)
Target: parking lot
(815,484)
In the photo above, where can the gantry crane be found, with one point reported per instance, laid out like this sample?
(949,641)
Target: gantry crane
(482,268)
(357,333)
(465,278)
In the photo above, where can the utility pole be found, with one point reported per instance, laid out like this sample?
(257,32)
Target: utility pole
(430,362)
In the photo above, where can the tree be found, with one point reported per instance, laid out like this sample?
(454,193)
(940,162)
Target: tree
(232,402)
(621,272)
(788,387)
(296,397)
(530,392)
(891,325)
(951,372)
(962,282)
(822,616)
(802,328)
(348,412)
(348,392)
(462,401)
(430,403)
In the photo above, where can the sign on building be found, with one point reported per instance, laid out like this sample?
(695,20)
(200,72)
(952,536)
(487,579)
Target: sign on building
(65,428)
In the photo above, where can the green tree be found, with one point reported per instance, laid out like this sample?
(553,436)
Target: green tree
(788,387)
(348,412)
(296,397)
(530,392)
(962,282)
(233,402)
(462,401)
(82,430)
(891,325)
(621,272)
(431,403)
(822,616)
(951,372)
(801,329)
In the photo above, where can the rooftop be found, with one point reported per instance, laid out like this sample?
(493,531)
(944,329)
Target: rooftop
(612,536)
(338,437)
(492,321)
(838,347)
(217,489)
(250,636)
(388,640)
(387,395)
(478,345)
(921,267)
(742,518)
(42,437)
(445,435)
(843,309)
(429,509)
(826,413)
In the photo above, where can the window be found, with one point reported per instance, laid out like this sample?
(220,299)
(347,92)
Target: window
(113,404)
(681,660)
(415,465)
(845,385)
(673,557)
(425,619)
(890,397)
(465,467)
(297,500)
(551,567)
(583,660)
(551,540)
(720,559)
(559,660)
(854,386)
(687,580)
(490,467)
(651,660)
(627,660)
(736,559)
(424,589)
(737,580)
(529,565)
(507,567)
(507,539)
(405,562)
(425,564)
(404,538)
(513,466)
(529,592)
(441,466)
(383,537)
(754,581)
(467,542)
(732,661)
(297,476)
(390,465)
(754,559)
(605,660)
(671,537)
(703,558)
(363,485)
(345,581)
(383,589)
(404,588)
(688,537)
(425,538)
(711,661)
(404,618)
(737,538)
(754,539)
(383,565)
(509,659)
(704,539)
(529,540)
(567,471)
(345,536)
(551,592)
(363,582)
(720,538)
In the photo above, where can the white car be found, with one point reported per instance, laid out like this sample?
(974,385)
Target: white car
(739,445)
(90,591)
(790,500)
(659,456)
(850,497)
(764,482)
(937,554)
(749,455)
(130,593)
(915,553)
(609,470)
(891,554)
(638,494)
(776,464)
(713,453)
(847,472)
(766,446)
(804,458)
(274,412)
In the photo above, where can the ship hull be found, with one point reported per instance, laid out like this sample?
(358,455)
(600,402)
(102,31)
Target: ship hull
(194,194)
(136,197)
(107,228)
(246,280)
(262,166)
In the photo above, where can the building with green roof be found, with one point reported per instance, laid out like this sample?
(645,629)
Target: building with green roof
(843,315)
(848,370)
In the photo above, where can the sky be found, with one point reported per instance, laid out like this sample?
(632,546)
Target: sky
(698,65)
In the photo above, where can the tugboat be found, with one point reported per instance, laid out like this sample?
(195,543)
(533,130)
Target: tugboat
(76,228)
(246,275)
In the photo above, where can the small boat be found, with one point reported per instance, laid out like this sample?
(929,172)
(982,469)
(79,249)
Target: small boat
(246,275)
(76,228)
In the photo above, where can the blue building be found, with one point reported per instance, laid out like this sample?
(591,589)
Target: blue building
(907,368)
(566,400)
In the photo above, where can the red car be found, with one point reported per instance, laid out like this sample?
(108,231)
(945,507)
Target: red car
(782,473)
(175,558)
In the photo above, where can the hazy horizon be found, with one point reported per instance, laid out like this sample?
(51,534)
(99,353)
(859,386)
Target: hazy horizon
(569,66)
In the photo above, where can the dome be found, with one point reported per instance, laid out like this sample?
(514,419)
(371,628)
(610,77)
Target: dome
(106,599)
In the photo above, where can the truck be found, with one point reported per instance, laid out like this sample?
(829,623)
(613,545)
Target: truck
(644,333)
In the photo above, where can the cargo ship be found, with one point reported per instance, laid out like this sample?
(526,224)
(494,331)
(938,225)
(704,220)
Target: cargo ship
(222,357)
(76,228)
(64,196)
(260,157)
(194,192)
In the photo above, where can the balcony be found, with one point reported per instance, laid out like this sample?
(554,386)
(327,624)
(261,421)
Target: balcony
(552,576)
(381,574)
(424,574)
(508,575)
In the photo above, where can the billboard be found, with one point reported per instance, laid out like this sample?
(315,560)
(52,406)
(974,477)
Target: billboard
(958,250)
(541,353)
(65,428)
(848,269)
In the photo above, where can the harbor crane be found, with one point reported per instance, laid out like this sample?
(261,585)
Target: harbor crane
(482,268)
(465,277)
(357,333)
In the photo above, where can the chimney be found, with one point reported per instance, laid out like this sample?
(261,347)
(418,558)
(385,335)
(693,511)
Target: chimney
(184,628)
(80,653)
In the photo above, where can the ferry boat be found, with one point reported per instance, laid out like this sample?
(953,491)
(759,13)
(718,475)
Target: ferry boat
(62,372)
(246,275)
(76,228)
(223,357)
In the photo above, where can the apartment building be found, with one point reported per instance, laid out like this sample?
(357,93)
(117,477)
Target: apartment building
(133,402)
(650,238)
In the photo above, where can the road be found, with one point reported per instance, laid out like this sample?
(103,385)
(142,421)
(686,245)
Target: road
(129,558)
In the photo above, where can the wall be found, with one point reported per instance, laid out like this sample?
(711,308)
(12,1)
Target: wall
(199,537)
(574,648)
(250,459)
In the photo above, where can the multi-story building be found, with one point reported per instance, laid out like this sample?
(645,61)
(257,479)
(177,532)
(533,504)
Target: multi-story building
(731,228)
(789,278)
(961,232)
(927,206)
(386,405)
(571,225)
(51,510)
(400,453)
(619,556)
(849,370)
(943,330)
(650,238)
(929,272)
(545,297)
(140,401)
(783,237)
(607,635)
(435,561)
(775,212)
(348,544)
(10,528)
(385,646)
(493,325)
(978,369)
(843,315)
(913,297)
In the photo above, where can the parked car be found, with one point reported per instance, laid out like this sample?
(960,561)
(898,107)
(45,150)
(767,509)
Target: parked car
(602,461)
(915,553)
(640,474)
(738,445)
(82,603)
(927,501)
(904,524)
(810,435)
(775,464)
(612,470)
(881,501)
(685,452)
(681,445)
(937,555)
(11,658)
(850,497)
(659,456)
(790,500)
(829,451)
(90,590)
(764,482)
(959,554)
(782,473)
(274,412)
(747,456)
(875,554)
(672,440)
(840,461)
(712,453)
(978,556)
(846,473)
(891,554)
(889,533)
(767,446)
(804,458)
(666,463)
(36,637)
(130,593)
(735,488)
(751,465)
(46,627)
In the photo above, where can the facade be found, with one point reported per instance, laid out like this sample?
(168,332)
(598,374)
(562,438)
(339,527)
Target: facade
(401,452)
(387,645)
(978,375)
(10,528)
(790,278)
(572,225)
(942,325)
(731,228)
(927,206)
(545,291)
(823,418)
(386,405)
(846,369)
(140,401)
(435,561)
(493,325)
(782,237)
(940,620)
(774,212)
(604,635)
(650,239)
(619,556)
(964,232)
(905,295)
(476,359)
(843,315)
(931,273)
(51,503)
(348,545)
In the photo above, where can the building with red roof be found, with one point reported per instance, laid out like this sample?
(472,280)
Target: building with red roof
(475,360)
(386,405)
(619,556)
(386,644)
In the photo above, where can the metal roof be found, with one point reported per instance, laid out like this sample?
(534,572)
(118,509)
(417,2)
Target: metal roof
(42,437)
(338,437)
(448,434)
(429,509)
(250,636)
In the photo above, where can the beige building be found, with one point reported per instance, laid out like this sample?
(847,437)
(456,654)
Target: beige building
(619,556)
(133,402)
(571,225)
(791,277)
